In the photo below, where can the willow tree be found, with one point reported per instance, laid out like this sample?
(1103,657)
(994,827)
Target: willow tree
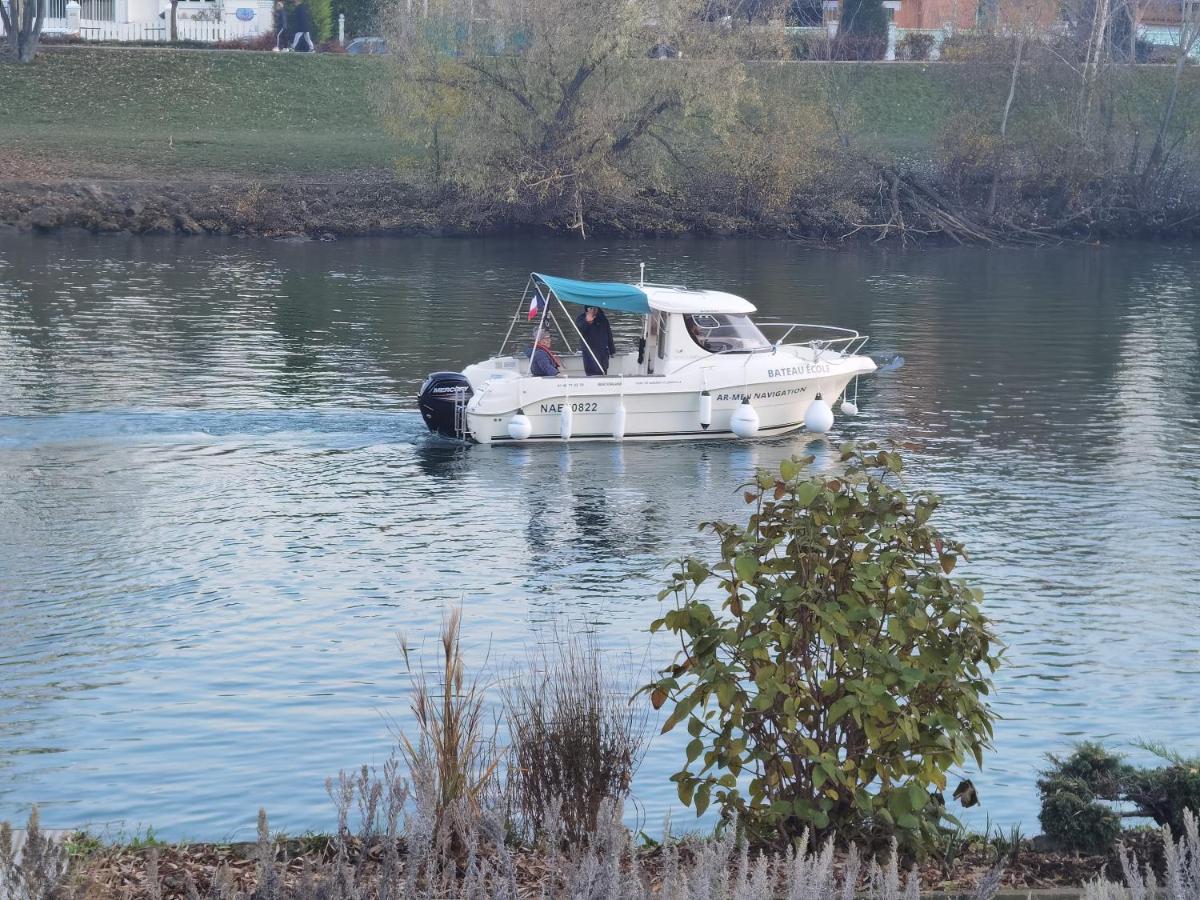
(544,107)
(23,20)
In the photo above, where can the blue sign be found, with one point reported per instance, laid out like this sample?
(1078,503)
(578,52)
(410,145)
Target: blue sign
(245,14)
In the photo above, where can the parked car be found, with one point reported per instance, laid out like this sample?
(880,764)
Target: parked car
(367,45)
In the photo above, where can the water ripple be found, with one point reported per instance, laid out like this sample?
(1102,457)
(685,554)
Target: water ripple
(218,506)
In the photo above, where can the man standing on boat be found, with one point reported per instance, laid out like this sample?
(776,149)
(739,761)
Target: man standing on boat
(597,339)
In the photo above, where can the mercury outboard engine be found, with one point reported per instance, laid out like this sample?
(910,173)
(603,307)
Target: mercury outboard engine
(443,401)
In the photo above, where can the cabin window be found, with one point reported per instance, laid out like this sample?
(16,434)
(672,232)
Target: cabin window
(723,333)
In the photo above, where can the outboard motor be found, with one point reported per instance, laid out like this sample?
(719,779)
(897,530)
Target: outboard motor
(442,400)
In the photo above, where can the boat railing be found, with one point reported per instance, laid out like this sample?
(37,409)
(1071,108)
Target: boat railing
(835,342)
(821,339)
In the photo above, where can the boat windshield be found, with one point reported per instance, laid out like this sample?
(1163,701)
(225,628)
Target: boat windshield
(722,333)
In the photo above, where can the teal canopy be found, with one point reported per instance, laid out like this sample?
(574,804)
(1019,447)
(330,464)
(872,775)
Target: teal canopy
(605,294)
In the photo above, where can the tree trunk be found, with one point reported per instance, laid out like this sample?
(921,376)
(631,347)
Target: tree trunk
(10,34)
(23,21)
(1189,34)
(1091,68)
(1012,93)
(174,20)
(1132,12)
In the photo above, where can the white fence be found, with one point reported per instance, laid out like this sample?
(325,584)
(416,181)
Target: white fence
(206,32)
(97,21)
(103,10)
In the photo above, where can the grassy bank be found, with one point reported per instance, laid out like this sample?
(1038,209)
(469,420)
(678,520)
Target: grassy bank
(154,140)
(145,111)
(133,112)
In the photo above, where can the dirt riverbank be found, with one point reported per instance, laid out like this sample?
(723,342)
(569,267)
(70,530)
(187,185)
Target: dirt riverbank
(42,195)
(107,873)
(350,205)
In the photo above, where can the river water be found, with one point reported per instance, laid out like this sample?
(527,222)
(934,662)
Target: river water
(218,505)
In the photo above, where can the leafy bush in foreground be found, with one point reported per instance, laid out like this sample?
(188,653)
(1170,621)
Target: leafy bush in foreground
(828,655)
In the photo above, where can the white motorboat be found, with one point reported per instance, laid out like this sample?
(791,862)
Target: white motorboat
(701,369)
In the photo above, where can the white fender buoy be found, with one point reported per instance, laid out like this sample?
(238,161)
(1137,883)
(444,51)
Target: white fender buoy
(818,418)
(565,420)
(849,408)
(705,409)
(744,421)
(519,426)
(619,422)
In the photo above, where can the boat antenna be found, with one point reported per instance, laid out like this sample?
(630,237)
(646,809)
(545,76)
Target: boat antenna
(642,282)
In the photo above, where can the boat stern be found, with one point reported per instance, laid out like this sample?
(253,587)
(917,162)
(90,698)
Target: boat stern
(442,401)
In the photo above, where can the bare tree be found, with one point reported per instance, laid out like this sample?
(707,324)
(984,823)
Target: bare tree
(23,20)
(1187,41)
(543,104)
(1008,104)
(1095,58)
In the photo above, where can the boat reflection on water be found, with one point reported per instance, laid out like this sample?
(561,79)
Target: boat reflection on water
(581,505)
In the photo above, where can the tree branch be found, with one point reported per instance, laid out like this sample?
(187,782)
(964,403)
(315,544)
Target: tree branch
(657,138)
(496,81)
(642,123)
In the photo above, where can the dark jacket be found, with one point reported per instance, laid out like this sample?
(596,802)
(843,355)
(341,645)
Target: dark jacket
(281,21)
(302,19)
(542,363)
(599,337)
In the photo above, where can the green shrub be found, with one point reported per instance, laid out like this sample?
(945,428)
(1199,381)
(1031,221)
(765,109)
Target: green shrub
(360,17)
(916,45)
(809,45)
(1167,793)
(322,19)
(1101,770)
(841,671)
(1075,791)
(1072,818)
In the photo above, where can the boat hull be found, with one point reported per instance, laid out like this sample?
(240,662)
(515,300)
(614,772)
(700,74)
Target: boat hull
(655,408)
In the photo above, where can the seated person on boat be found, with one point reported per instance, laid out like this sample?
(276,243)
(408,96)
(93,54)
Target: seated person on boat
(545,362)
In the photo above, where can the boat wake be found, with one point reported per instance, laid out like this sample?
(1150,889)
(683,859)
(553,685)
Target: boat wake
(888,363)
(339,428)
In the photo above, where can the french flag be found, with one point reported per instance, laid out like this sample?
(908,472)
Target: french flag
(536,302)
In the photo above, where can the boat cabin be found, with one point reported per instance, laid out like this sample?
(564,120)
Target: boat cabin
(680,327)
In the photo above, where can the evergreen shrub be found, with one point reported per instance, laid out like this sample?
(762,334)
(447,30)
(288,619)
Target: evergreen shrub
(862,30)
(1077,793)
(322,19)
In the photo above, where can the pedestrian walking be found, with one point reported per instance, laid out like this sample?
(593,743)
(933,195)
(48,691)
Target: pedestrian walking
(280,24)
(303,22)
